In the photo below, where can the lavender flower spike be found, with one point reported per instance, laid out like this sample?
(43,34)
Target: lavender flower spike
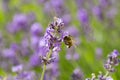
(77,74)
(112,61)
(110,64)
(50,44)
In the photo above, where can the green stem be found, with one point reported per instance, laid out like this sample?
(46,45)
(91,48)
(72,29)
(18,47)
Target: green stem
(43,72)
(44,67)
(49,54)
(107,73)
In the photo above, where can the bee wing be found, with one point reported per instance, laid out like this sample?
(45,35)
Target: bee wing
(74,41)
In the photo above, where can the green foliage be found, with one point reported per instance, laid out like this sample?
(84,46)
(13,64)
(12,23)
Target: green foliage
(105,37)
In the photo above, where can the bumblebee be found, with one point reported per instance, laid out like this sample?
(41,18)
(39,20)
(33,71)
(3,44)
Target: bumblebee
(69,41)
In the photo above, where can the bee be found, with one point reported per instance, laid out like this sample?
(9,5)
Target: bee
(69,41)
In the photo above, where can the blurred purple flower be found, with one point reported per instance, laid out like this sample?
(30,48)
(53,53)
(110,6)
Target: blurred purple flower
(26,76)
(57,3)
(31,17)
(56,6)
(17,68)
(9,53)
(68,56)
(36,29)
(52,71)
(5,5)
(35,60)
(76,56)
(85,24)
(19,22)
(47,7)
(1,77)
(72,56)
(97,11)
(66,19)
(110,14)
(15,47)
(43,50)
(104,3)
(34,42)
(24,48)
(80,3)
(72,30)
(1,41)
(77,74)
(12,27)
(83,16)
(99,53)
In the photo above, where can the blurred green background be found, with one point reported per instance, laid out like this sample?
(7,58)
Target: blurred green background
(106,38)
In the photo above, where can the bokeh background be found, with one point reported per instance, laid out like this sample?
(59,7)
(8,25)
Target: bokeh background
(95,25)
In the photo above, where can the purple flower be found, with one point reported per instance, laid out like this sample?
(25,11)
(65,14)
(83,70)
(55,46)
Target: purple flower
(35,60)
(5,5)
(34,42)
(1,40)
(110,64)
(25,43)
(17,68)
(100,77)
(72,30)
(25,76)
(99,53)
(52,39)
(68,56)
(9,53)
(36,29)
(85,24)
(77,74)
(15,47)
(115,54)
(1,77)
(80,3)
(19,22)
(109,78)
(103,77)
(24,48)
(72,56)
(12,27)
(76,56)
(57,3)
(58,6)
(53,34)
(43,47)
(83,16)
(47,7)
(97,11)
(110,14)
(112,61)
(52,71)
(104,3)
(67,19)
